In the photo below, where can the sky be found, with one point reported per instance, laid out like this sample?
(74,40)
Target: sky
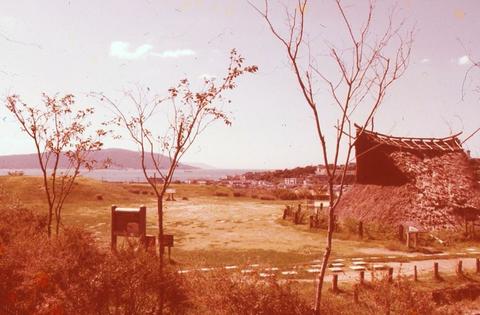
(110,46)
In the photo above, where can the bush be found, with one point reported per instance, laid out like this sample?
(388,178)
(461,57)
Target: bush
(371,230)
(350,225)
(285,194)
(266,197)
(382,297)
(322,222)
(239,194)
(398,297)
(219,292)
(70,274)
(221,194)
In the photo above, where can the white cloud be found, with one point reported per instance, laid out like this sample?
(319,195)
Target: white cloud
(8,23)
(463,60)
(121,50)
(425,60)
(175,53)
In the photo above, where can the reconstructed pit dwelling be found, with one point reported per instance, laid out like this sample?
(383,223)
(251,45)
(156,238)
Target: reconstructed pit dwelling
(428,181)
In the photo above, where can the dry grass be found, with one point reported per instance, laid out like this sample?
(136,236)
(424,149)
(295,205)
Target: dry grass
(72,274)
(213,229)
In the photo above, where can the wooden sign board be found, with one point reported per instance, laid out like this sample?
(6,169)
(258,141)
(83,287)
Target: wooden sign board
(412,229)
(128,222)
(170,191)
(167,240)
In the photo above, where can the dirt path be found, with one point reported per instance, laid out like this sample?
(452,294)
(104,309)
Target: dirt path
(375,268)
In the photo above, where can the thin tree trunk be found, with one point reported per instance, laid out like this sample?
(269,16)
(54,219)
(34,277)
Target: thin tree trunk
(160,249)
(326,254)
(49,223)
(57,226)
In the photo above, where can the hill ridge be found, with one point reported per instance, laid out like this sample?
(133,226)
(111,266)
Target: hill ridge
(120,159)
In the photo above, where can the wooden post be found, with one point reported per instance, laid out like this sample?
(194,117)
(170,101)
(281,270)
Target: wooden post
(150,243)
(415,239)
(415,275)
(335,283)
(477,263)
(400,233)
(113,237)
(460,268)
(390,274)
(408,239)
(360,229)
(362,277)
(355,293)
(436,276)
(466,226)
(143,223)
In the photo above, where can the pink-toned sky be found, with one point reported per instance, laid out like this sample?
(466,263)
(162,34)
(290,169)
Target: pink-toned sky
(81,46)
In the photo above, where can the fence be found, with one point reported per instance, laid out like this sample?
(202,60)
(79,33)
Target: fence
(361,269)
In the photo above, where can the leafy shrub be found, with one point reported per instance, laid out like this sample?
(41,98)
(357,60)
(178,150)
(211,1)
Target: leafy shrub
(371,230)
(382,297)
(267,197)
(70,274)
(285,194)
(218,292)
(239,194)
(322,222)
(398,297)
(350,225)
(221,194)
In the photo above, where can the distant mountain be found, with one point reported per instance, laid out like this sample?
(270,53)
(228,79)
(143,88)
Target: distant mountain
(120,159)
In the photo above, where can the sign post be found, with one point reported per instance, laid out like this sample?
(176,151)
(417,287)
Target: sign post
(128,222)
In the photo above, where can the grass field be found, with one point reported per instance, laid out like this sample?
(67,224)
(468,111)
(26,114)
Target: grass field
(208,229)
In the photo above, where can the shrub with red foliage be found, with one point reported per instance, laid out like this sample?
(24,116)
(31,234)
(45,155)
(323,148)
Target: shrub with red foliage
(72,275)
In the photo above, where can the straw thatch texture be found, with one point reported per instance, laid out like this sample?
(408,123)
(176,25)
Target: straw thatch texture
(434,187)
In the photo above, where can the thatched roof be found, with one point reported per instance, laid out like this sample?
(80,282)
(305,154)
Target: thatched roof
(404,179)
(451,143)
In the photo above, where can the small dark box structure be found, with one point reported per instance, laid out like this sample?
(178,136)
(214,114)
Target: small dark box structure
(128,222)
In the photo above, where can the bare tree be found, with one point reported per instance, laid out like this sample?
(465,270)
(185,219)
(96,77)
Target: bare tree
(185,115)
(365,70)
(473,68)
(63,142)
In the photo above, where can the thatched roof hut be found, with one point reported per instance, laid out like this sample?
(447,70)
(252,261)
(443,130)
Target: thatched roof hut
(429,181)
